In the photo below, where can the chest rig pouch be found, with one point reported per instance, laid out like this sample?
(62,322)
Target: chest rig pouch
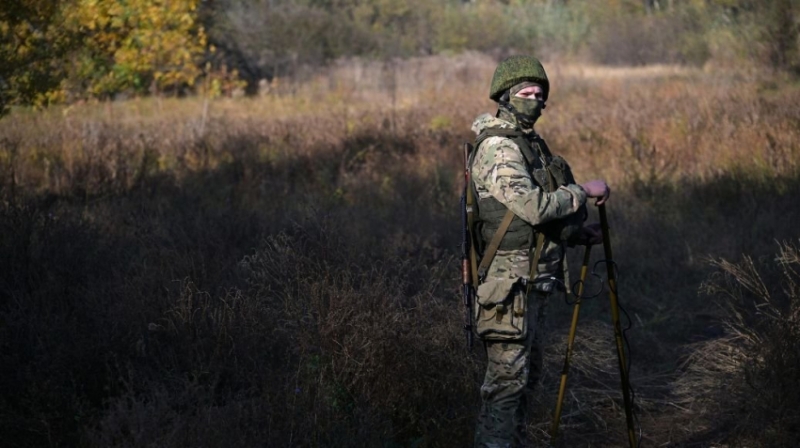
(501,308)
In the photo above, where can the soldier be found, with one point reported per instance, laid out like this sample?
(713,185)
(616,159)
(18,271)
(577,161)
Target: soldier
(513,170)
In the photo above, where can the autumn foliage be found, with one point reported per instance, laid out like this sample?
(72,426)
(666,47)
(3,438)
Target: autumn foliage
(138,45)
(69,50)
(75,49)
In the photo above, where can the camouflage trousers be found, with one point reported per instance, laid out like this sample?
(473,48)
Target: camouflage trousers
(514,368)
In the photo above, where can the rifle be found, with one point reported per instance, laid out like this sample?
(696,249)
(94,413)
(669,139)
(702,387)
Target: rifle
(468,254)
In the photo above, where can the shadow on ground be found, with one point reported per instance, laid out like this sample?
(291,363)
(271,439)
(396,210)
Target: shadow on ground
(312,301)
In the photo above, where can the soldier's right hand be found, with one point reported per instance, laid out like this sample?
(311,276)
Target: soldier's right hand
(597,189)
(590,235)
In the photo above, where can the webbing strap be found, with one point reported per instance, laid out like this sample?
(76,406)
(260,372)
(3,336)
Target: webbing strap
(491,249)
(537,253)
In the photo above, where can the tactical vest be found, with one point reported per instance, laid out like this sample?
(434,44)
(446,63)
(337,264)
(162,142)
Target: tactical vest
(547,172)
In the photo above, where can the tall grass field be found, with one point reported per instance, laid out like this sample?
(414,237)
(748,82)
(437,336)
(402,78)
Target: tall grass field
(282,270)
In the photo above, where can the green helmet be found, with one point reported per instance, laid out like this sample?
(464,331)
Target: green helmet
(515,70)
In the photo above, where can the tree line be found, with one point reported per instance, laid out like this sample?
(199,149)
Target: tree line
(55,51)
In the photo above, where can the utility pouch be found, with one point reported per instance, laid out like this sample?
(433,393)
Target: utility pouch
(560,170)
(500,311)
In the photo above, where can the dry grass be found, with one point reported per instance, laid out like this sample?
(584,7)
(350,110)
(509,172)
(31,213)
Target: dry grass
(758,362)
(280,270)
(604,72)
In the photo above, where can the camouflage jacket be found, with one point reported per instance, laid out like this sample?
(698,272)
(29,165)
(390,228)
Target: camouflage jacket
(499,170)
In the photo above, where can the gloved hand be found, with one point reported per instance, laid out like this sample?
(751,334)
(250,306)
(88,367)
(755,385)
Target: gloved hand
(590,235)
(597,189)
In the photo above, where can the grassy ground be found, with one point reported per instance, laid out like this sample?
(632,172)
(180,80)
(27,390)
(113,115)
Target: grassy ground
(281,271)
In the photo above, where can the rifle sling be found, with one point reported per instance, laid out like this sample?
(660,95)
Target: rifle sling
(491,249)
(470,202)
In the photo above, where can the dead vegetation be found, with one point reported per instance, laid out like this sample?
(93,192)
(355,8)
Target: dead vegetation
(280,270)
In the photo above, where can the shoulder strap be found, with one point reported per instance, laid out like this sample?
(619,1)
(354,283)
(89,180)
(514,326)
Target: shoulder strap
(518,137)
(497,132)
(539,141)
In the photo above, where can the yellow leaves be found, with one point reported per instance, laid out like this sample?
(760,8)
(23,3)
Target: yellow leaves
(187,20)
(140,43)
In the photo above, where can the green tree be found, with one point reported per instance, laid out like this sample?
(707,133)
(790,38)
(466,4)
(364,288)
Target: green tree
(33,41)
